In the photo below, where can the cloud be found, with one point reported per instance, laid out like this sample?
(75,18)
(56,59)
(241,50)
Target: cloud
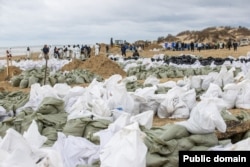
(25,22)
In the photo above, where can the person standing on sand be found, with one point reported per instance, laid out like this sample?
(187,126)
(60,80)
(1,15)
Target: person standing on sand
(123,50)
(46,52)
(192,46)
(9,57)
(235,45)
(28,53)
(97,47)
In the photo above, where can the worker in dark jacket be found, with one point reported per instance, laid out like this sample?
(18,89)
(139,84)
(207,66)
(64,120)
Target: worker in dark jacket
(136,54)
(46,52)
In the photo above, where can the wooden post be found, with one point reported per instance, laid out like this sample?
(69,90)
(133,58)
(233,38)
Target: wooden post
(45,73)
(7,66)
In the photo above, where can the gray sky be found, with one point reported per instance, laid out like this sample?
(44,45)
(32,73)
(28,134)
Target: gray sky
(38,22)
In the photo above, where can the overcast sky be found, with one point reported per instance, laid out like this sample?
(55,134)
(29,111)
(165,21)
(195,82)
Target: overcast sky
(38,22)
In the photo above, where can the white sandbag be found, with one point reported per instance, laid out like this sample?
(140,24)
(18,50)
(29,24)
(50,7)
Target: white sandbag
(18,158)
(189,98)
(100,109)
(125,148)
(229,95)
(14,141)
(33,137)
(144,99)
(129,79)
(120,98)
(205,117)
(61,89)
(144,119)
(76,150)
(173,105)
(243,97)
(79,108)
(37,94)
(49,157)
(206,80)
(106,134)
(72,96)
(152,80)
(195,81)
(213,91)
(228,77)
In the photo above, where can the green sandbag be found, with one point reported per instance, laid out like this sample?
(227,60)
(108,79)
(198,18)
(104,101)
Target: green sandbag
(15,81)
(93,127)
(173,131)
(5,125)
(189,72)
(76,127)
(51,105)
(184,144)
(51,134)
(155,160)
(170,73)
(24,83)
(79,80)
(61,79)
(207,140)
(32,80)
(163,74)
(52,81)
(199,148)
(179,73)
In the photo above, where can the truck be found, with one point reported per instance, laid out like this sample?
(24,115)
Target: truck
(244,42)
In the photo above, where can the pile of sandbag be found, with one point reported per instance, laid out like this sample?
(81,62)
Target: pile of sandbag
(36,75)
(167,71)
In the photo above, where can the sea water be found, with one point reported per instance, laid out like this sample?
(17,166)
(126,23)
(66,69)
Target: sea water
(19,50)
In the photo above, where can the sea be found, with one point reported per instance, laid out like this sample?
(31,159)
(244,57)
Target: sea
(22,50)
(19,50)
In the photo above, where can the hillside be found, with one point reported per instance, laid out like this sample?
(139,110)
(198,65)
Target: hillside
(209,35)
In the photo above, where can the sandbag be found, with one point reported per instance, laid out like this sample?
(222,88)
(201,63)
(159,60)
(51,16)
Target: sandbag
(15,81)
(205,117)
(24,83)
(76,127)
(32,80)
(135,151)
(51,105)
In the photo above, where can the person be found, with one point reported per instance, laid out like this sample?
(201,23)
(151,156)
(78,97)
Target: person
(97,47)
(46,52)
(136,54)
(56,52)
(199,46)
(229,44)
(111,42)
(123,50)
(28,53)
(65,50)
(107,48)
(235,45)
(192,46)
(9,57)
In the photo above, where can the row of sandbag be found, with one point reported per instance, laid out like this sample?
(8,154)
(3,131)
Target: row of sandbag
(36,75)
(103,141)
(166,71)
(10,101)
(100,98)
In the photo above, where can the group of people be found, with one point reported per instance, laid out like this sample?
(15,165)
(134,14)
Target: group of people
(180,46)
(67,52)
